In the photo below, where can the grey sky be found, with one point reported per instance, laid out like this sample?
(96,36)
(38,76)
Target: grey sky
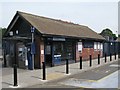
(96,15)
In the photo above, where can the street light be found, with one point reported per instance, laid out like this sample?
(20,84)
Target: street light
(15,60)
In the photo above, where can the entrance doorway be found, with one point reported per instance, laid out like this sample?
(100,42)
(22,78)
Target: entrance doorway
(56,52)
(22,55)
(48,53)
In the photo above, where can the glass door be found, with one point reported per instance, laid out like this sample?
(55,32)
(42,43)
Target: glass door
(48,53)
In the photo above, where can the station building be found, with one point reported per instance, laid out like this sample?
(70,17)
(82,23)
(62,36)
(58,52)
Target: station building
(118,48)
(35,39)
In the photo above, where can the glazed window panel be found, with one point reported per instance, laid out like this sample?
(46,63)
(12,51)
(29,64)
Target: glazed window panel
(95,45)
(48,49)
(88,44)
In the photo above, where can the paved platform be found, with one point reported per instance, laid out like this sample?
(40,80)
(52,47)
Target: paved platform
(1,57)
(79,80)
(28,78)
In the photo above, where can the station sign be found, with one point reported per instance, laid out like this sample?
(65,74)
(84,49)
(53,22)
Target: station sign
(58,39)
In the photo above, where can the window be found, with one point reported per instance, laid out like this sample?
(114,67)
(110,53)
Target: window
(66,50)
(101,46)
(95,45)
(48,49)
(58,48)
(98,46)
(88,44)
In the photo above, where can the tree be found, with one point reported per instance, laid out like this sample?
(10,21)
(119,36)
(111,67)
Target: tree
(108,33)
(2,31)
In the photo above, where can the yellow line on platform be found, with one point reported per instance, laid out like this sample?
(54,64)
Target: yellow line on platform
(53,76)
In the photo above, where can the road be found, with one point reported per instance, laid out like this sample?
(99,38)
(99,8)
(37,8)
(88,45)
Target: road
(100,77)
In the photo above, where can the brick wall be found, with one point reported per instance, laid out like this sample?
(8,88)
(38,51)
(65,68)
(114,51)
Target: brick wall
(39,56)
(42,51)
(90,51)
(86,52)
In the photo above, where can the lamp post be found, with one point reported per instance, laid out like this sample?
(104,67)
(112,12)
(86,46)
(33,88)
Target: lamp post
(15,61)
(15,65)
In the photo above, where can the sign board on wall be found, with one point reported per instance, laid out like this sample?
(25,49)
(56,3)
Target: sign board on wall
(42,51)
(58,39)
(79,46)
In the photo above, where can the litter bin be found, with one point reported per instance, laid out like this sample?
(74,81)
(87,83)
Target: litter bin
(57,59)
(9,60)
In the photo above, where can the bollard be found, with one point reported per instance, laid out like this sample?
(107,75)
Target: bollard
(90,60)
(115,56)
(98,58)
(105,58)
(15,75)
(44,72)
(110,57)
(67,67)
(80,62)
(5,65)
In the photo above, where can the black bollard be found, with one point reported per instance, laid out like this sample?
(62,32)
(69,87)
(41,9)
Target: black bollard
(5,65)
(15,75)
(51,63)
(67,67)
(115,56)
(80,62)
(110,57)
(105,58)
(90,60)
(98,58)
(44,72)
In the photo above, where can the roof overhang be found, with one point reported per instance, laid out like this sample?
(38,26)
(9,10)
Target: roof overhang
(17,38)
(71,37)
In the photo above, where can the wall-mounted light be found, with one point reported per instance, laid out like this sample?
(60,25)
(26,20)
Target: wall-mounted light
(11,33)
(111,43)
(80,40)
(16,31)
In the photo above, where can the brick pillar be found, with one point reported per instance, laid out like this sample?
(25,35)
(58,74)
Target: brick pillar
(42,53)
